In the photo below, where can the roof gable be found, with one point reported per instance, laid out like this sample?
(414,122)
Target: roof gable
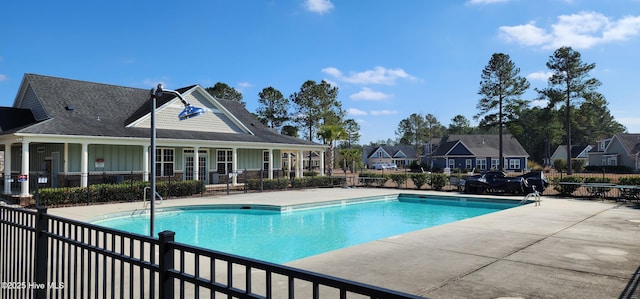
(399,154)
(216,118)
(629,142)
(379,153)
(389,151)
(460,149)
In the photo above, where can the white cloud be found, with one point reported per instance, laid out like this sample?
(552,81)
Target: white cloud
(318,6)
(367,94)
(528,35)
(244,84)
(241,86)
(582,30)
(539,76)
(379,75)
(354,111)
(3,77)
(383,112)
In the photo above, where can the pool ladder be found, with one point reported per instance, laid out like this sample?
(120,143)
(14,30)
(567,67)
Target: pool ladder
(533,196)
(145,202)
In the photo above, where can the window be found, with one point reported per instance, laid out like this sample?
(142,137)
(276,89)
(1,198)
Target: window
(514,163)
(265,160)
(164,161)
(225,161)
(468,164)
(481,164)
(202,164)
(452,163)
(495,163)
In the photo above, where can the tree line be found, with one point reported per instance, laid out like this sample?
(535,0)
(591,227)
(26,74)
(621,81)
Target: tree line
(314,110)
(575,112)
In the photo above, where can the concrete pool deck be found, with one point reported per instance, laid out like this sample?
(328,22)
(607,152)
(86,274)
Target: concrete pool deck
(565,248)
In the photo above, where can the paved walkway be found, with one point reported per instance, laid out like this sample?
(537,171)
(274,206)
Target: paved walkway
(565,248)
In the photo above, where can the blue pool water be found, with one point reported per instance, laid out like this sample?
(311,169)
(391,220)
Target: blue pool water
(283,236)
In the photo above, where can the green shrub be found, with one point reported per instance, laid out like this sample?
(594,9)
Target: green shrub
(125,192)
(378,183)
(560,165)
(268,184)
(569,188)
(398,178)
(419,179)
(438,181)
(630,181)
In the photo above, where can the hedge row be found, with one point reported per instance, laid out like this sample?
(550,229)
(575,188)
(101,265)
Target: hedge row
(568,189)
(125,192)
(436,180)
(296,183)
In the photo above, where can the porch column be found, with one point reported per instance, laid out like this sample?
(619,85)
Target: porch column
(7,168)
(289,164)
(299,171)
(146,164)
(196,164)
(24,186)
(322,153)
(65,163)
(234,179)
(84,166)
(270,163)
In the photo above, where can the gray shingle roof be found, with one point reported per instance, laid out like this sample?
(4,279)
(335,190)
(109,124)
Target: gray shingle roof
(483,145)
(392,150)
(631,142)
(105,110)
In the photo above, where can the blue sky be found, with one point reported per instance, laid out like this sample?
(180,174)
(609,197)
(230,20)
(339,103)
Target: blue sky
(389,58)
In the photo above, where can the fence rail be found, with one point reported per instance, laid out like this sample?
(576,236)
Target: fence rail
(46,256)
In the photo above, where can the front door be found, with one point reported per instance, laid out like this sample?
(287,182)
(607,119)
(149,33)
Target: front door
(202,166)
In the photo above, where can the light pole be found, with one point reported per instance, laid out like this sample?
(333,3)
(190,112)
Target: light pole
(188,112)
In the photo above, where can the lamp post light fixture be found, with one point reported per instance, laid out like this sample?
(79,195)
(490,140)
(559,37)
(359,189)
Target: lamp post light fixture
(188,112)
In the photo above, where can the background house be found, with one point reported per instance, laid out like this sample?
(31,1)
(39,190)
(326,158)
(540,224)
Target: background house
(479,153)
(619,150)
(578,152)
(76,133)
(401,155)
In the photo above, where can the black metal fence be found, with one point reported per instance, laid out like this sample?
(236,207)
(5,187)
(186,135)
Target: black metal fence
(45,256)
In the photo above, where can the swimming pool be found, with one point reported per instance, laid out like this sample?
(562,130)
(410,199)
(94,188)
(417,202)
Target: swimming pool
(281,235)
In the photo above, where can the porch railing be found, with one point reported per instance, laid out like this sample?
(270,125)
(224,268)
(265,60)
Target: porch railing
(45,256)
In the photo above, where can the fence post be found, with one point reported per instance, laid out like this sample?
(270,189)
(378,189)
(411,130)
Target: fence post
(228,176)
(244,179)
(42,244)
(165,263)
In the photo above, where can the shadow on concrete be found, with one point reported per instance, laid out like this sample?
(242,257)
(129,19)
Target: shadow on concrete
(629,291)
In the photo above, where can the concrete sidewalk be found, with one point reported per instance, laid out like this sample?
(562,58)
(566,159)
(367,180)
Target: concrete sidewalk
(565,248)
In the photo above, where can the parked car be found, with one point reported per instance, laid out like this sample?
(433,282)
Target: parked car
(380,166)
(498,182)
(535,179)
